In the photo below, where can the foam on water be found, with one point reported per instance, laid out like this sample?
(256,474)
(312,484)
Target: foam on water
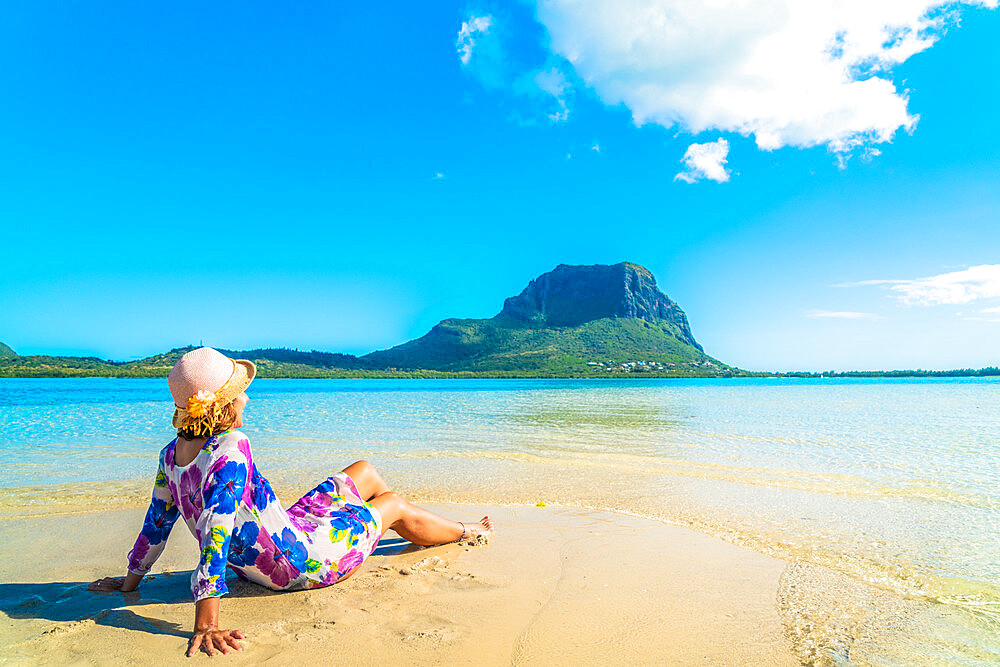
(883,495)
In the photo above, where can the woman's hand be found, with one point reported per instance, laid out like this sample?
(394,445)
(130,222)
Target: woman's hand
(107,585)
(211,639)
(125,584)
(207,636)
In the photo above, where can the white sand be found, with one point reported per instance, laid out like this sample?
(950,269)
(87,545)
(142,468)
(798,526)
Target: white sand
(555,586)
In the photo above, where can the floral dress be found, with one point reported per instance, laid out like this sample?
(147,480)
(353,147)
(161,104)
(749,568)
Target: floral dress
(236,518)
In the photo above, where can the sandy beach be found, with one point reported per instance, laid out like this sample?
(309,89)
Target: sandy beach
(554,586)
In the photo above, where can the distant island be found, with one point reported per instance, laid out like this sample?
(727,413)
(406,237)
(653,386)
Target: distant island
(574,321)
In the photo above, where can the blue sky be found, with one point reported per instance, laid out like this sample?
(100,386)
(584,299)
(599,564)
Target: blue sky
(343,177)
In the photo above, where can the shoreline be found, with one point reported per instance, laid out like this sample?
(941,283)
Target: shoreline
(555,585)
(985,372)
(886,561)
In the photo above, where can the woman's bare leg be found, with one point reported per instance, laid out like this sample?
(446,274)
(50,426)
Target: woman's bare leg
(367,479)
(421,526)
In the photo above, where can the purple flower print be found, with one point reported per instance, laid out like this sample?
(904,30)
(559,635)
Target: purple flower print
(354,489)
(213,586)
(312,505)
(249,490)
(244,447)
(138,552)
(303,523)
(351,560)
(329,578)
(272,562)
(188,495)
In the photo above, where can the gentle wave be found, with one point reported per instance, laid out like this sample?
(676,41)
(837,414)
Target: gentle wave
(826,483)
(883,496)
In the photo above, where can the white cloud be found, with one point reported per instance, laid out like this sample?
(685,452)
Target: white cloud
(438,176)
(956,287)
(484,49)
(786,72)
(546,85)
(991,310)
(705,161)
(553,82)
(469,33)
(841,315)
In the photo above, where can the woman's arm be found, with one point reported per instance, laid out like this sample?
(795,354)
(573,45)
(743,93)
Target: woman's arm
(222,495)
(160,518)
(207,635)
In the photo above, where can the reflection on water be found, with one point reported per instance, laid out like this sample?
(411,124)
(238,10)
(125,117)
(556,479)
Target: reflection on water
(873,488)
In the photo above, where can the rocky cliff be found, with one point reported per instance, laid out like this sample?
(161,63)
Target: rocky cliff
(570,296)
(569,320)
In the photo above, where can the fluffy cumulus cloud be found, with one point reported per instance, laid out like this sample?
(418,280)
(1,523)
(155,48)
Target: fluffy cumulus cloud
(471,32)
(705,161)
(976,283)
(784,72)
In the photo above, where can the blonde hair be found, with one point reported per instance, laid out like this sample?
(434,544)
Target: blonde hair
(222,418)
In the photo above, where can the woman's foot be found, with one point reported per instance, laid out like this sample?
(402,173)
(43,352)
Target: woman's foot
(480,531)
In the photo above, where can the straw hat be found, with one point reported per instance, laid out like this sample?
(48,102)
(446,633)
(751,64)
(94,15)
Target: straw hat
(203,381)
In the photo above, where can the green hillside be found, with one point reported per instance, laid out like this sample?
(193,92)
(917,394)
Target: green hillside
(502,345)
(574,321)
(276,363)
(6,352)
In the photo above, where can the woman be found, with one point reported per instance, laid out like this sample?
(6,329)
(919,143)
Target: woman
(207,476)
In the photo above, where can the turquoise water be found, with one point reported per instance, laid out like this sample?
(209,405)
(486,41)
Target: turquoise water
(884,493)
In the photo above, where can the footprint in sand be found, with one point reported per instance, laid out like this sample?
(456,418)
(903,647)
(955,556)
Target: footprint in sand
(429,564)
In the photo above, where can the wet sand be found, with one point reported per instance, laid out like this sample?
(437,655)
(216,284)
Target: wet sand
(554,586)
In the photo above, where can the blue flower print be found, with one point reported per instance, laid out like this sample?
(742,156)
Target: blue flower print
(241,546)
(360,515)
(213,550)
(226,491)
(348,523)
(159,520)
(293,550)
(262,492)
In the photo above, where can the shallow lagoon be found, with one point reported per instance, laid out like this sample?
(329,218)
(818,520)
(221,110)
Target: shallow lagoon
(884,494)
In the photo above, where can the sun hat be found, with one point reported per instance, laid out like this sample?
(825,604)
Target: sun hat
(203,381)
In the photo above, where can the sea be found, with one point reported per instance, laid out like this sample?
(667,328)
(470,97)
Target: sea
(881,494)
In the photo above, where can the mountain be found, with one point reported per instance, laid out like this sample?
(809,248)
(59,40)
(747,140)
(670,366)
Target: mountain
(573,295)
(5,351)
(570,320)
(574,321)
